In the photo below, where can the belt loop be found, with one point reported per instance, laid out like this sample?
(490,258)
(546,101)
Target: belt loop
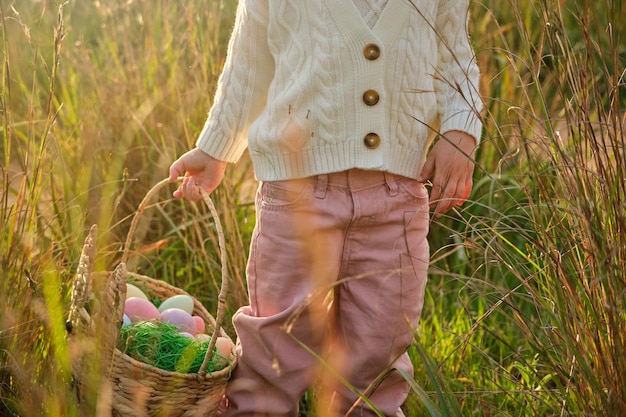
(321,186)
(392,185)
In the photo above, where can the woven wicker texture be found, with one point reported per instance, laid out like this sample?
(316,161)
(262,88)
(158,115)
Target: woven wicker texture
(127,387)
(142,390)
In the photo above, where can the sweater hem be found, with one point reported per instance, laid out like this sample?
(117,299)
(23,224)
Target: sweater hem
(277,167)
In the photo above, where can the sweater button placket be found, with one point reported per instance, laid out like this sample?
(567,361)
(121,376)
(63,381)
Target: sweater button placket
(371,52)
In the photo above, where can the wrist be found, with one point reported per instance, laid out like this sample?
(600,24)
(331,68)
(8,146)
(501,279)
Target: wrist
(460,140)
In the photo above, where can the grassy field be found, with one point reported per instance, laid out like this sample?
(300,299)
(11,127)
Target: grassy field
(526,304)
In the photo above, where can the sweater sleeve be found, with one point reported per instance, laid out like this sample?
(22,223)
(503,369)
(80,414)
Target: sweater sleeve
(242,86)
(458,96)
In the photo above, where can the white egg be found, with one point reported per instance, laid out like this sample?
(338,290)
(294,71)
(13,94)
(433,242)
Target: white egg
(133,291)
(203,337)
(180,301)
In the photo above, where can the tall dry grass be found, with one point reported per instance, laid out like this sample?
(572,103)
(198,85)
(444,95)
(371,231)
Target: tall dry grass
(528,302)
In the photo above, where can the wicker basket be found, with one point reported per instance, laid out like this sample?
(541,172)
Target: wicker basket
(127,387)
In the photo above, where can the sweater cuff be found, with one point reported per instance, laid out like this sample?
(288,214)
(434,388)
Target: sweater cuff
(464,120)
(219,146)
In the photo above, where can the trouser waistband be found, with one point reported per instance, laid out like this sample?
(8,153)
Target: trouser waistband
(355,180)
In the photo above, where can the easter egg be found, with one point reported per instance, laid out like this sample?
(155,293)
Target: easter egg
(138,309)
(133,291)
(180,301)
(225,347)
(187,334)
(200,325)
(126,321)
(179,318)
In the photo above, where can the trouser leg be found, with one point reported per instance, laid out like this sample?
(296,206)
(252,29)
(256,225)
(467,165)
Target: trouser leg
(378,305)
(294,256)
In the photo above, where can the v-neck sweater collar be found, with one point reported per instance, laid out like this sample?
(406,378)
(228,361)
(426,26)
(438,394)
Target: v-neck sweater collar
(370,10)
(391,21)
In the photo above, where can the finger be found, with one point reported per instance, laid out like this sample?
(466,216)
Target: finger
(435,195)
(180,191)
(448,197)
(440,184)
(456,194)
(445,203)
(427,170)
(191,190)
(442,203)
(465,193)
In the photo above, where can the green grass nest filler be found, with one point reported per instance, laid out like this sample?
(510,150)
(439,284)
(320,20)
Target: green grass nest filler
(192,383)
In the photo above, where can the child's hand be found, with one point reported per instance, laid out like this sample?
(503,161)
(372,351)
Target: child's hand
(450,167)
(200,169)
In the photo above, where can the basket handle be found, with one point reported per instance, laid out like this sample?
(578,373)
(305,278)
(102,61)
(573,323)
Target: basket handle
(221,241)
(221,298)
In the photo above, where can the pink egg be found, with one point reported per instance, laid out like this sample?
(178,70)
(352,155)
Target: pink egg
(179,318)
(200,325)
(138,309)
(225,347)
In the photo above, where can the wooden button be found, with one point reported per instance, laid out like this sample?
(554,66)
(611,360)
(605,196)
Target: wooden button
(371,140)
(371,51)
(370,97)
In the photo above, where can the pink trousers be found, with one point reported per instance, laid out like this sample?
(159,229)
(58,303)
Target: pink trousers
(336,278)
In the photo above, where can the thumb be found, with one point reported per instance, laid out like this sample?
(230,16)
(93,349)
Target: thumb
(176,170)
(427,169)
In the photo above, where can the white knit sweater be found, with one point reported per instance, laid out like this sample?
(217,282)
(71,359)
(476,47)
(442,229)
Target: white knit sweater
(292,88)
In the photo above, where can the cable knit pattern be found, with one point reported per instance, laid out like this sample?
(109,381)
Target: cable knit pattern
(292,88)
(325,75)
(413,69)
(287,114)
